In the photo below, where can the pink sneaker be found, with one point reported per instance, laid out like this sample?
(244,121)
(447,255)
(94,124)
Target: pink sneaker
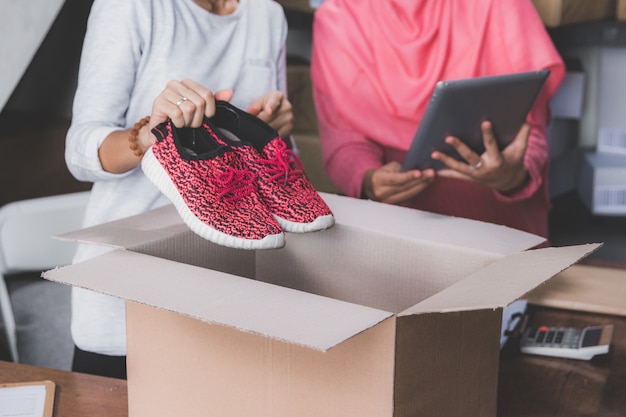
(281,180)
(211,188)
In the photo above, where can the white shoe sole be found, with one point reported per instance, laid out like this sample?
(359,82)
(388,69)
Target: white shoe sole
(159,177)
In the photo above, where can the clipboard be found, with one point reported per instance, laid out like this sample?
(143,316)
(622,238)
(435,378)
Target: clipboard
(49,386)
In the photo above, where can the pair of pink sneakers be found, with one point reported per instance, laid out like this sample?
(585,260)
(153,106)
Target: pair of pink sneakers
(234,181)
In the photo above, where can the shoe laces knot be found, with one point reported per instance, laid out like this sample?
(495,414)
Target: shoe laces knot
(235,184)
(285,165)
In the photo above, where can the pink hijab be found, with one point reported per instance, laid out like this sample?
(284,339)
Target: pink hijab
(389,54)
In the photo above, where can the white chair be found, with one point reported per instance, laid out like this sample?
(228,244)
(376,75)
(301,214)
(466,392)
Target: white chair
(26,243)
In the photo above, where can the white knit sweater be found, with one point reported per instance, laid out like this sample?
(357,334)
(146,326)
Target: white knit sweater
(132,49)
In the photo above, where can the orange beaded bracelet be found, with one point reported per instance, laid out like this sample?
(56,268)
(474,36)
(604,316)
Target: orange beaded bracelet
(132,138)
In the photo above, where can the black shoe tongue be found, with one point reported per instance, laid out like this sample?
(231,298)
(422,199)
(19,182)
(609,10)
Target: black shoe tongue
(245,126)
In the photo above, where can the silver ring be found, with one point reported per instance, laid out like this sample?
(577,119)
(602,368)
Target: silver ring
(181,101)
(476,165)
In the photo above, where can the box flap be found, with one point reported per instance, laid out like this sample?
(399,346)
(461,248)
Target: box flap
(366,215)
(503,281)
(591,288)
(439,229)
(215,297)
(133,231)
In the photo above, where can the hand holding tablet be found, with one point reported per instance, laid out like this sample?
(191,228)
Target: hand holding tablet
(458,107)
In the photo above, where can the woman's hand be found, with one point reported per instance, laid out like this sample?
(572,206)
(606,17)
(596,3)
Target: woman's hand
(503,171)
(185,103)
(275,110)
(388,184)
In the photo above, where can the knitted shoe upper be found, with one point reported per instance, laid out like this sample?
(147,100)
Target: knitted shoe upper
(281,180)
(214,185)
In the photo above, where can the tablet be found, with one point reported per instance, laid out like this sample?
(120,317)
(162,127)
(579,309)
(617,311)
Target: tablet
(458,107)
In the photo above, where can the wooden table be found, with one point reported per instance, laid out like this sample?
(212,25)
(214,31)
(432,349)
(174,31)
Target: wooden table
(77,395)
(535,386)
(529,386)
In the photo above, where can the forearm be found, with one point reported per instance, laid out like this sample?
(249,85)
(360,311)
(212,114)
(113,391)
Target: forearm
(119,153)
(347,154)
(537,156)
(348,165)
(101,102)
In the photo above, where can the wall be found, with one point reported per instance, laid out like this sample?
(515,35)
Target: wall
(47,83)
(20,36)
(36,114)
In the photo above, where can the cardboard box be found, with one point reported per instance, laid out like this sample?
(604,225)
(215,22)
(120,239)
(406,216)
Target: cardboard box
(602,121)
(621,10)
(602,183)
(310,154)
(612,90)
(300,94)
(563,12)
(392,312)
(568,100)
(596,289)
(298,5)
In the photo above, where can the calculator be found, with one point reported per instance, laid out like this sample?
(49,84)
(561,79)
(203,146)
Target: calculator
(567,342)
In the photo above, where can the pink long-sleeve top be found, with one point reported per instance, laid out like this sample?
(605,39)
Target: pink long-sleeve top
(374,65)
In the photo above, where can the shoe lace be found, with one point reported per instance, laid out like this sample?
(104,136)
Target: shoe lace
(285,165)
(235,184)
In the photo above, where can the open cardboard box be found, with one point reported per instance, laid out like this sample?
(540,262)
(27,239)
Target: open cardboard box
(392,312)
(555,13)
